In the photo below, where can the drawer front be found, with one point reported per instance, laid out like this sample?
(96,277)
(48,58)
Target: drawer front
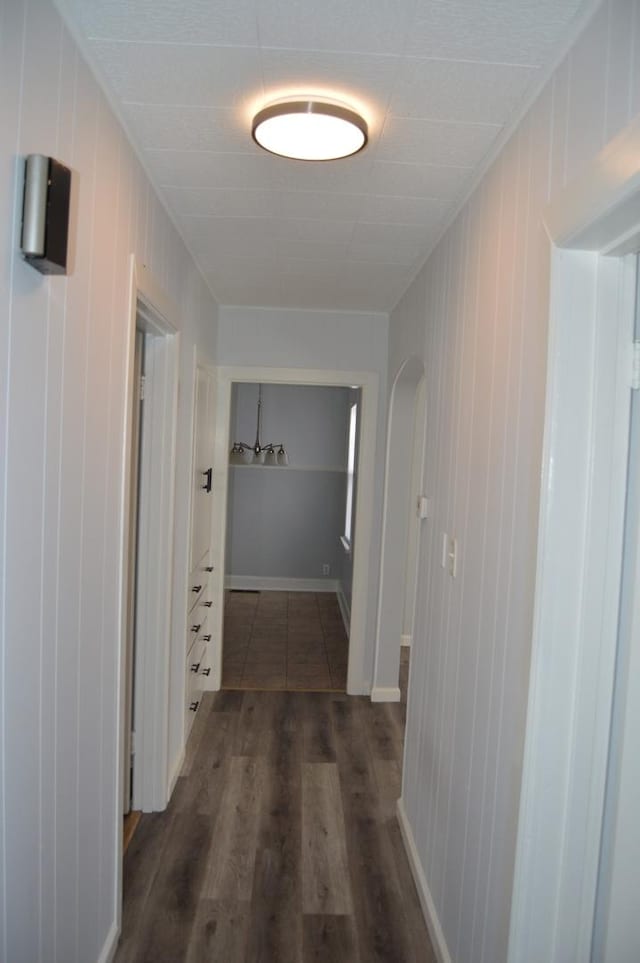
(197,628)
(199,582)
(194,682)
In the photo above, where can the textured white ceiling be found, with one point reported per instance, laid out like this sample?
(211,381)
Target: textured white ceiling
(437,80)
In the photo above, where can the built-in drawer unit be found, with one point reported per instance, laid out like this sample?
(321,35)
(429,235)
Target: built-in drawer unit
(194,681)
(199,580)
(197,628)
(198,640)
(200,617)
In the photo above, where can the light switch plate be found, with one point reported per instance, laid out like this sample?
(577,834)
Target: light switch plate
(453,557)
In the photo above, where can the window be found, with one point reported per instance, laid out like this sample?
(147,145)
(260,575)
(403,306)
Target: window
(351,467)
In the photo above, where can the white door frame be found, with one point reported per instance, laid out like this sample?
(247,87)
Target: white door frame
(151,310)
(580,544)
(368,382)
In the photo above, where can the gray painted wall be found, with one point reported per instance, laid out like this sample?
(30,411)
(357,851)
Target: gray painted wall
(287,522)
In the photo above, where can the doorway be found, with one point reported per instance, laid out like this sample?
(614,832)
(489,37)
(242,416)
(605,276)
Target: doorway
(400,533)
(367,383)
(290,534)
(146,550)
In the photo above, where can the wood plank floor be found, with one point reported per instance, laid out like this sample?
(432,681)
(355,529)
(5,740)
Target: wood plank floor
(280,844)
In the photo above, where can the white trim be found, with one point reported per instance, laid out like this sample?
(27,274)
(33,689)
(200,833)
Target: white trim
(345,610)
(155,574)
(400,451)
(600,209)
(578,579)
(110,945)
(357,684)
(406,640)
(262,583)
(424,894)
(159,315)
(385,693)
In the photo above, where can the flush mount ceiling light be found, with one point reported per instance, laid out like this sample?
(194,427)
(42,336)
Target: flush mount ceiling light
(312,130)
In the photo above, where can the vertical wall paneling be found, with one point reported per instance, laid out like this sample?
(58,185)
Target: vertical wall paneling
(63,357)
(11,54)
(477,314)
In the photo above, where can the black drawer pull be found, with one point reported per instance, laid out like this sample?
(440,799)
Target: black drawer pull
(206,672)
(196,628)
(196,588)
(207,638)
(195,666)
(194,706)
(208,568)
(208,474)
(207,605)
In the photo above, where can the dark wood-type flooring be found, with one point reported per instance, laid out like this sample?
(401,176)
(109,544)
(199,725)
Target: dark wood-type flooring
(280,844)
(284,640)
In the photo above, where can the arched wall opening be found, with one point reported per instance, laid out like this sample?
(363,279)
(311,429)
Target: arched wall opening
(398,566)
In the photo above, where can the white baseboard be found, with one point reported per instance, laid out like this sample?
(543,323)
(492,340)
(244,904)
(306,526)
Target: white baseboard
(385,693)
(345,611)
(406,640)
(424,894)
(110,945)
(259,583)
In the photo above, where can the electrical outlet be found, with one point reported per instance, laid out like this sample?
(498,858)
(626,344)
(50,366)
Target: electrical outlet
(326,569)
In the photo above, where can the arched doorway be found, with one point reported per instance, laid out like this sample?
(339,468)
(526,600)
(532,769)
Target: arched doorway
(405,450)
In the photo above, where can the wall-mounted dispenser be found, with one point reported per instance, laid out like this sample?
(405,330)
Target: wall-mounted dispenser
(45,214)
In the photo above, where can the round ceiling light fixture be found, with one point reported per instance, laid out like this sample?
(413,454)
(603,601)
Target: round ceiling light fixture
(311,130)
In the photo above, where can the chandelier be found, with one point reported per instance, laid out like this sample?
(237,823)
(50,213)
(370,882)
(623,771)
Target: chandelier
(269,454)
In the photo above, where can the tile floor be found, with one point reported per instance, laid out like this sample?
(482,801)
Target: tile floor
(284,640)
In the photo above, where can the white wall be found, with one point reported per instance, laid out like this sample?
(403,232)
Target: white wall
(325,340)
(286,522)
(62,364)
(477,315)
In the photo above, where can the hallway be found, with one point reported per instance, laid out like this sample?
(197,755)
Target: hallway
(280,843)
